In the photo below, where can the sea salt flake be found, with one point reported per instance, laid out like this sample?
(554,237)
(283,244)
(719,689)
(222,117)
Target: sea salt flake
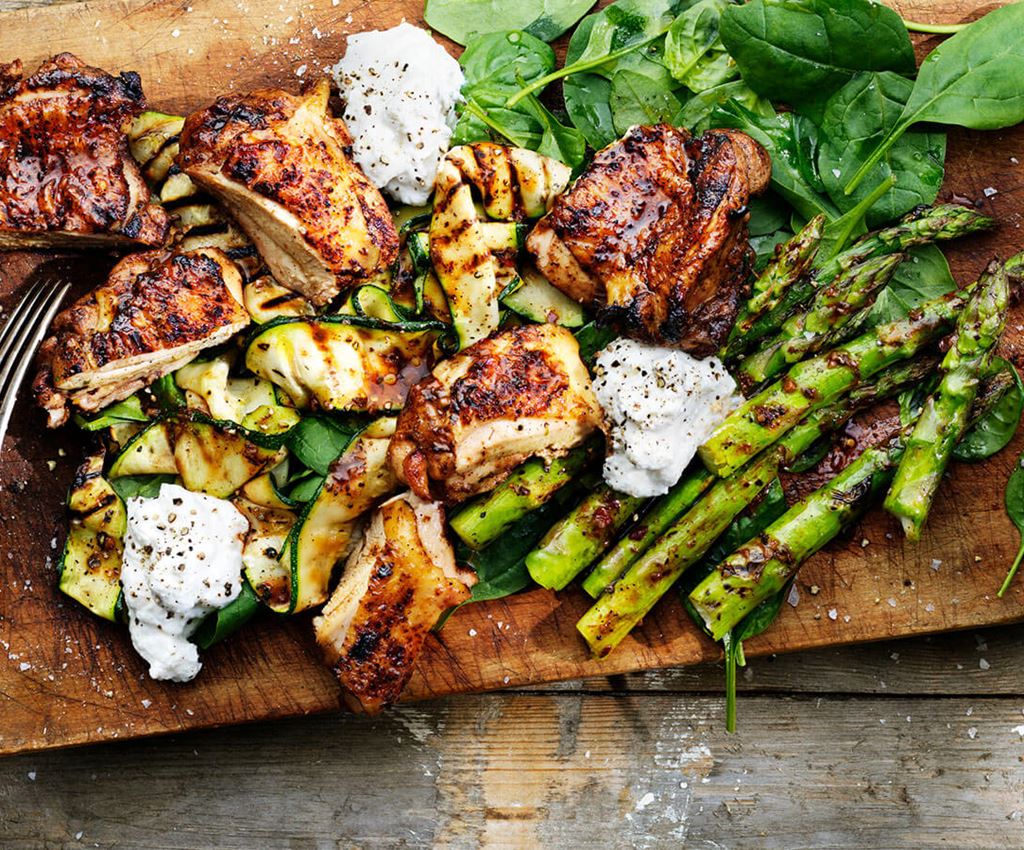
(833,614)
(990,191)
(983,664)
(972,733)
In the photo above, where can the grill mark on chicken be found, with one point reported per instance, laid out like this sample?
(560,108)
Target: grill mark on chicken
(394,588)
(518,383)
(155,309)
(653,236)
(66,175)
(282,164)
(519,393)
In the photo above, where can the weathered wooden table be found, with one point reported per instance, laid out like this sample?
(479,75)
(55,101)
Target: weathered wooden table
(914,744)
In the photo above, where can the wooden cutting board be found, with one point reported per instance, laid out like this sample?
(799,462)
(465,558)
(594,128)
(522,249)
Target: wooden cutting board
(67,678)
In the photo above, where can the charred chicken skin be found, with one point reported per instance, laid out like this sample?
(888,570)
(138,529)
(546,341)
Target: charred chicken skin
(280,163)
(66,176)
(394,589)
(155,312)
(653,235)
(519,393)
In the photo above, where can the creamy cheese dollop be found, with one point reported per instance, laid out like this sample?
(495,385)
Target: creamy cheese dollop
(661,404)
(400,89)
(182,560)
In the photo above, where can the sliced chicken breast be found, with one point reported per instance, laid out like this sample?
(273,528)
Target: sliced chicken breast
(155,313)
(280,163)
(66,176)
(520,393)
(394,589)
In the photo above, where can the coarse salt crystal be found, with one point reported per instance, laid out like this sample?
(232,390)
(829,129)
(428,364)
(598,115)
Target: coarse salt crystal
(833,614)
(983,664)
(990,191)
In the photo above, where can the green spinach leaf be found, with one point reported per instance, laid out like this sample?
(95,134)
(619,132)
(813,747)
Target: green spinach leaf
(791,177)
(639,98)
(461,20)
(494,66)
(801,51)
(972,80)
(317,440)
(694,54)
(143,486)
(217,625)
(600,45)
(857,118)
(993,432)
(925,275)
(129,410)
(1015,510)
(696,113)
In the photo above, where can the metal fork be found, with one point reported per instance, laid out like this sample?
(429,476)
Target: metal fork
(20,338)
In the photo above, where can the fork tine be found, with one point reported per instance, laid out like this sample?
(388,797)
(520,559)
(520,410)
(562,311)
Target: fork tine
(17,364)
(22,313)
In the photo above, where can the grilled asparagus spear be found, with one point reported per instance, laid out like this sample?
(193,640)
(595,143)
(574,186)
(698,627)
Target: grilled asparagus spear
(814,383)
(929,224)
(484,519)
(580,537)
(627,601)
(791,260)
(762,566)
(944,418)
(842,305)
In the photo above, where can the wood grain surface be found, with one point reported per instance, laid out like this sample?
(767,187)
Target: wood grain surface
(67,679)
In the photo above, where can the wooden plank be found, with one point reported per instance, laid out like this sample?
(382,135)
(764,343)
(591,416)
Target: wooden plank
(67,679)
(548,771)
(978,663)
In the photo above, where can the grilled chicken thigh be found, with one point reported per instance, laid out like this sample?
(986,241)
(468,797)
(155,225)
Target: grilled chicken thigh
(66,176)
(154,314)
(653,235)
(280,163)
(395,587)
(519,393)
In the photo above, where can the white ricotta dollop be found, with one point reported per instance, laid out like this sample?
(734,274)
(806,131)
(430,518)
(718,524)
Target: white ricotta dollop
(400,89)
(661,404)
(182,560)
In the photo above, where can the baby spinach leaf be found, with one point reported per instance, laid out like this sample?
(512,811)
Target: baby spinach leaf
(993,432)
(790,175)
(317,440)
(801,51)
(558,141)
(142,486)
(586,101)
(972,80)
(696,113)
(1015,510)
(600,45)
(129,410)
(638,98)
(494,65)
(925,275)
(694,53)
(461,20)
(217,625)
(767,214)
(617,29)
(856,119)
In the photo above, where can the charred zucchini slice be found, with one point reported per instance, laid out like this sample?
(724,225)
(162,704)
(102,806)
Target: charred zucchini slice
(324,532)
(352,363)
(90,570)
(217,461)
(147,453)
(537,300)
